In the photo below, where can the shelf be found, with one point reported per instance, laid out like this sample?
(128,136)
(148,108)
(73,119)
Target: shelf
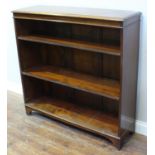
(100,86)
(79,116)
(83,45)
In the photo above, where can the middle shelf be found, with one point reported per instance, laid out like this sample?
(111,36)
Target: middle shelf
(99,86)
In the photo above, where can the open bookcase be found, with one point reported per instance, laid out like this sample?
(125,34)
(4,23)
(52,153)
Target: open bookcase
(80,68)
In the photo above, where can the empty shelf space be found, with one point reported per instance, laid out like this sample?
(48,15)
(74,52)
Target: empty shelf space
(99,86)
(80,116)
(83,45)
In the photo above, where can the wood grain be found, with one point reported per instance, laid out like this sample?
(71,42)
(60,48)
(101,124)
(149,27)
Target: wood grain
(76,15)
(130,47)
(94,47)
(105,87)
(84,117)
(90,13)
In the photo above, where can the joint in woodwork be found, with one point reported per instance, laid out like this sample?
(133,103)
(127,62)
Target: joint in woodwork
(28,110)
(117,143)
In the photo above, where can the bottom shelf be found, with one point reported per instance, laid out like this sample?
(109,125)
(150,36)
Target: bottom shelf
(77,115)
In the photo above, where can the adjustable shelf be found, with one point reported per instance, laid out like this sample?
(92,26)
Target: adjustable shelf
(105,87)
(107,49)
(79,66)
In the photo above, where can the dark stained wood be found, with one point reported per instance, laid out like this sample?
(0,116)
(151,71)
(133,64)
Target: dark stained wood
(92,13)
(130,46)
(58,19)
(106,37)
(85,62)
(85,118)
(106,87)
(90,63)
(110,67)
(95,16)
(112,50)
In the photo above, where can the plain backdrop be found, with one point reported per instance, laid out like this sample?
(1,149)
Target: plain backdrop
(13,76)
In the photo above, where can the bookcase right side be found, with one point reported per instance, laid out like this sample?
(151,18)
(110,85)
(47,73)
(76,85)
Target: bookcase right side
(129,75)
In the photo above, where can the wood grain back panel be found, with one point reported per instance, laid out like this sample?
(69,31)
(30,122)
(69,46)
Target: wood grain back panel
(109,36)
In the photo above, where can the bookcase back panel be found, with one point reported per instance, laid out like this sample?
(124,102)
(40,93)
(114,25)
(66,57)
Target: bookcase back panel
(97,64)
(103,35)
(30,55)
(34,88)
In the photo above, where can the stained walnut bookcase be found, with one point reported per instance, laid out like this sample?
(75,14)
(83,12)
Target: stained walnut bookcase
(79,66)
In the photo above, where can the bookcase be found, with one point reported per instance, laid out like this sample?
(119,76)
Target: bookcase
(79,66)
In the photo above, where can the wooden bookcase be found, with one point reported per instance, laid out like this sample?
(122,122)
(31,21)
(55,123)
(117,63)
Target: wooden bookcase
(79,66)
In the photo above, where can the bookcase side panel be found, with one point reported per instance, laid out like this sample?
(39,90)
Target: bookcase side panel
(129,70)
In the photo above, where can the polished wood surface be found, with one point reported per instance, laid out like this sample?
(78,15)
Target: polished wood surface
(70,20)
(99,36)
(130,49)
(76,15)
(112,50)
(84,117)
(92,13)
(88,58)
(38,135)
(105,87)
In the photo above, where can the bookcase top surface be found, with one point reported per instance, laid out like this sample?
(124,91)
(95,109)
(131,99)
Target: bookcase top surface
(80,12)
